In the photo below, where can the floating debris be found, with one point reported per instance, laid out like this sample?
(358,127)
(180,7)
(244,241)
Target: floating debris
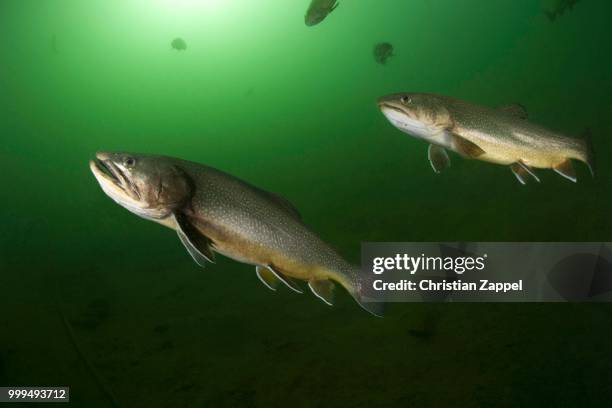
(179,44)
(382,52)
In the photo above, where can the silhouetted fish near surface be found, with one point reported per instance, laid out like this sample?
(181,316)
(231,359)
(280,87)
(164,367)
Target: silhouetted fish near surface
(215,212)
(559,8)
(581,277)
(382,52)
(319,10)
(178,44)
(503,136)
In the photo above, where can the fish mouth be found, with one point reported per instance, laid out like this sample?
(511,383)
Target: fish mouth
(106,170)
(382,105)
(113,179)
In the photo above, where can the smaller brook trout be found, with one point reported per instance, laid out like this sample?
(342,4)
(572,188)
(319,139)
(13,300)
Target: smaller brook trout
(503,136)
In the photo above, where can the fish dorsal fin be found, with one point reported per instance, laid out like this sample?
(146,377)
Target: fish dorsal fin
(270,277)
(323,289)
(566,169)
(438,158)
(286,205)
(516,109)
(466,148)
(522,172)
(198,245)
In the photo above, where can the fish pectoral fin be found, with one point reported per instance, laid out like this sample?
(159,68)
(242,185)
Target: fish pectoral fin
(267,277)
(290,283)
(522,172)
(438,158)
(323,289)
(466,148)
(198,245)
(516,109)
(566,169)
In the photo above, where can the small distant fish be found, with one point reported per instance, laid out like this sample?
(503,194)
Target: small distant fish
(559,8)
(214,212)
(178,44)
(318,10)
(382,52)
(503,136)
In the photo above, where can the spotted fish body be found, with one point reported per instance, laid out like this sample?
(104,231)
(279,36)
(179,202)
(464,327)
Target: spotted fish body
(502,136)
(214,212)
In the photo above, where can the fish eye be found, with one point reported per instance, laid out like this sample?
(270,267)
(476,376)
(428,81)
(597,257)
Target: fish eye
(406,100)
(129,162)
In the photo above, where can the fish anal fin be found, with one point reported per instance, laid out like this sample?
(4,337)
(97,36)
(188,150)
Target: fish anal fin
(198,245)
(516,109)
(438,158)
(523,173)
(323,289)
(566,169)
(290,283)
(466,148)
(266,277)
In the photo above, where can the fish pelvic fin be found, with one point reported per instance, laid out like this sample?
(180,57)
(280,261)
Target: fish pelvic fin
(523,173)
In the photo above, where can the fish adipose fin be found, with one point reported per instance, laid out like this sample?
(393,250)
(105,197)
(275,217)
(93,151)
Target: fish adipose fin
(438,158)
(466,148)
(522,172)
(198,245)
(270,277)
(323,289)
(566,169)
(516,109)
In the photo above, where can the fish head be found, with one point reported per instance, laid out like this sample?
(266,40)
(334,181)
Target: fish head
(318,10)
(421,115)
(315,15)
(149,186)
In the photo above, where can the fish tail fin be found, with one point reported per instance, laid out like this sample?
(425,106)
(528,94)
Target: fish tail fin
(361,290)
(589,152)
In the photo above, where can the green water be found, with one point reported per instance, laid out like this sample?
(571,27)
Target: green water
(292,110)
